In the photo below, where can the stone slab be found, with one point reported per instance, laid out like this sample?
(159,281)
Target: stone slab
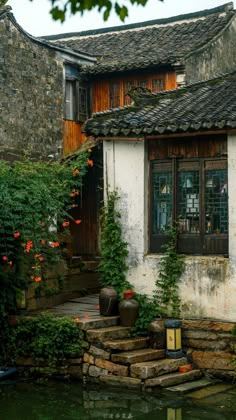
(207,325)
(202,344)
(104,334)
(156,368)
(212,360)
(112,367)
(173,379)
(211,390)
(138,356)
(127,344)
(121,381)
(99,322)
(190,386)
(102,354)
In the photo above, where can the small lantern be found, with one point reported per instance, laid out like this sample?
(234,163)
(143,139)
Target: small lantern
(173,339)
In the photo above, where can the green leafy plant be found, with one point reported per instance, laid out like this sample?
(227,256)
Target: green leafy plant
(45,338)
(112,265)
(35,203)
(171,268)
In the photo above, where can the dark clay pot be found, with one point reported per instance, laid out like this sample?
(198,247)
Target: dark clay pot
(108,301)
(128,309)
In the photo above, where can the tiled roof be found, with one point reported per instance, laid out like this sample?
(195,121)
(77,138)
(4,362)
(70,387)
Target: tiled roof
(204,106)
(146,44)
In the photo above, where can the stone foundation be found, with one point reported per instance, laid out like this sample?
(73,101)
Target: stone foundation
(97,363)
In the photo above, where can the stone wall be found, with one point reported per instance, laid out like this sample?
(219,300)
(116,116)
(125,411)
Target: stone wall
(216,57)
(208,346)
(31,95)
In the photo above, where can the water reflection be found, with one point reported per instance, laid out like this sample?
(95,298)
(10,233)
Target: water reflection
(26,401)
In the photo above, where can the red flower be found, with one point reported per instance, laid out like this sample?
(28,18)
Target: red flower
(36,255)
(32,277)
(37,279)
(42,224)
(4,258)
(10,262)
(16,234)
(77,320)
(43,242)
(97,307)
(41,258)
(54,244)
(76,172)
(64,224)
(78,221)
(86,316)
(72,195)
(90,162)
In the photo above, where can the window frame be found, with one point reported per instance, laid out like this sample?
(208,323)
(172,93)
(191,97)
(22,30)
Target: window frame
(188,243)
(76,88)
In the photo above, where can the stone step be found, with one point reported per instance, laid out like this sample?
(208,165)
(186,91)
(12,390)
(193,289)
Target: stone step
(138,356)
(152,369)
(109,333)
(99,322)
(172,379)
(127,344)
(121,381)
(191,386)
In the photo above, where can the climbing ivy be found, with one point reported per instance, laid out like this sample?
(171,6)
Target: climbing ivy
(171,267)
(113,266)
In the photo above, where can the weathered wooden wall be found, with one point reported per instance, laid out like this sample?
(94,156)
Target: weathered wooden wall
(101,88)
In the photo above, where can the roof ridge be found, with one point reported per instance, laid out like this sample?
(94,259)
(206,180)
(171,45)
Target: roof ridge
(46,43)
(219,9)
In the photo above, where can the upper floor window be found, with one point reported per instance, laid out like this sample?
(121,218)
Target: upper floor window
(118,89)
(76,96)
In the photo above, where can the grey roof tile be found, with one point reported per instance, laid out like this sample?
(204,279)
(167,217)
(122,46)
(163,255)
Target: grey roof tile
(150,43)
(201,106)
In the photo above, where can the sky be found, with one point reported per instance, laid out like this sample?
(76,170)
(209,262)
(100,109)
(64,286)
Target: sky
(34,16)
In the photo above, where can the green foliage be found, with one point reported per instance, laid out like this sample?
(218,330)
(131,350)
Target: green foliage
(148,311)
(171,269)
(60,8)
(114,251)
(35,203)
(45,338)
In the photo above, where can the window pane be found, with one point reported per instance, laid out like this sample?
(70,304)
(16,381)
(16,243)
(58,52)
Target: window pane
(216,198)
(143,83)
(188,201)
(162,201)
(83,104)
(157,85)
(69,100)
(114,95)
(127,86)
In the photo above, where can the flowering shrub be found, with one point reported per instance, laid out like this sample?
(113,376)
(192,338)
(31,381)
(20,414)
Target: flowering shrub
(35,200)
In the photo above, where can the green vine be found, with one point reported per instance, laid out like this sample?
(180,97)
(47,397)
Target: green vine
(171,268)
(112,265)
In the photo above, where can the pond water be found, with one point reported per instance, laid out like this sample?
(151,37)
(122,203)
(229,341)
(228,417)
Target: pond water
(72,401)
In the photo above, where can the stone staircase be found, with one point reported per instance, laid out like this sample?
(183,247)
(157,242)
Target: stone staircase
(113,357)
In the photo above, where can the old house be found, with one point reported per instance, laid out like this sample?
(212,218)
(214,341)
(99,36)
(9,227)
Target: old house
(166,153)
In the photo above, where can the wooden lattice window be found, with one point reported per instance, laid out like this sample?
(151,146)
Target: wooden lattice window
(194,193)
(114,94)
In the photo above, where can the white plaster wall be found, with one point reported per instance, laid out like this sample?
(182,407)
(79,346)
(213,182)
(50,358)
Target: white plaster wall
(208,286)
